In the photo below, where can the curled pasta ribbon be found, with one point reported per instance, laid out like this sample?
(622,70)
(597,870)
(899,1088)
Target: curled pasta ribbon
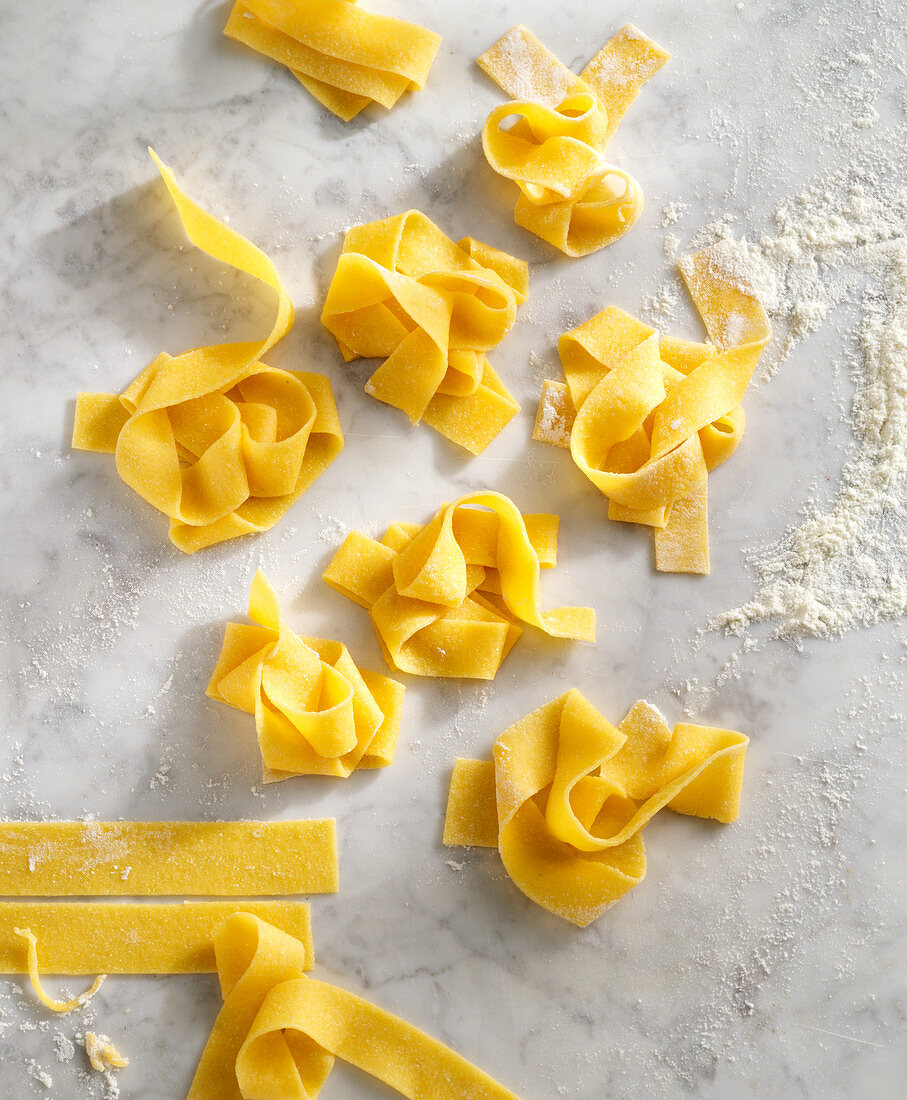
(445,599)
(34,976)
(567,794)
(647,416)
(406,293)
(316,713)
(213,438)
(559,125)
(102,1054)
(345,56)
(278,1033)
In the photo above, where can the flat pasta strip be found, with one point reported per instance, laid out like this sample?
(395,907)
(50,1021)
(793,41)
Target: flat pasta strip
(550,139)
(216,440)
(148,858)
(278,1033)
(567,794)
(345,56)
(647,416)
(84,937)
(445,599)
(316,713)
(431,309)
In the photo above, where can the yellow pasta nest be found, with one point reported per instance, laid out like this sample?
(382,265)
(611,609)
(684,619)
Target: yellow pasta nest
(279,1032)
(647,416)
(316,713)
(570,196)
(345,56)
(445,599)
(567,794)
(405,293)
(214,438)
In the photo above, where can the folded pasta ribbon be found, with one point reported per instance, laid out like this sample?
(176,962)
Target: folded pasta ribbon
(647,416)
(213,438)
(445,599)
(406,293)
(345,56)
(316,713)
(570,195)
(278,1033)
(567,794)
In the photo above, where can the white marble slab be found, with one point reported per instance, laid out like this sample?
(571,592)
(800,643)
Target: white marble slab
(760,960)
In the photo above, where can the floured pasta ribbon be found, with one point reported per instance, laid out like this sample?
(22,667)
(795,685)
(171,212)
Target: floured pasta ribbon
(34,976)
(570,195)
(345,56)
(647,416)
(214,438)
(567,794)
(278,1033)
(406,293)
(445,599)
(316,713)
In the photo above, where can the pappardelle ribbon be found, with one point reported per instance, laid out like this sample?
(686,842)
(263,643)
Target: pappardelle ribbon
(278,1033)
(316,712)
(213,438)
(406,293)
(567,794)
(647,416)
(445,599)
(570,195)
(345,56)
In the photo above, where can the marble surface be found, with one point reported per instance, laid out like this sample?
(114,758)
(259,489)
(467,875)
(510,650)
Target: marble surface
(763,959)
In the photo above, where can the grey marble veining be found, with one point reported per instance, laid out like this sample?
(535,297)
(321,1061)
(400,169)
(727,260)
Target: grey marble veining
(763,959)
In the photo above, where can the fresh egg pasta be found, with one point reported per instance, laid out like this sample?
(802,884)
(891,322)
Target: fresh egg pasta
(647,416)
(216,440)
(550,139)
(431,309)
(567,794)
(345,56)
(445,599)
(316,713)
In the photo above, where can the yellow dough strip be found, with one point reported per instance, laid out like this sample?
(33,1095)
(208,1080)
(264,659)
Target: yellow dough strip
(145,858)
(278,1032)
(91,937)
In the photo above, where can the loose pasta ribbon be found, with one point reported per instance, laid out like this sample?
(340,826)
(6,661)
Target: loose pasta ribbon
(406,293)
(647,416)
(316,712)
(570,195)
(279,1032)
(345,56)
(213,438)
(567,794)
(445,599)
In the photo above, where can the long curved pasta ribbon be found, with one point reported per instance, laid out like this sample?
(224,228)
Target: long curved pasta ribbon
(647,416)
(431,308)
(345,56)
(213,438)
(316,713)
(279,1032)
(445,599)
(570,195)
(34,976)
(567,794)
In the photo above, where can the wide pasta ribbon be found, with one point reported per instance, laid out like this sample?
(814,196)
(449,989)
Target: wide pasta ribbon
(406,293)
(316,713)
(647,416)
(214,438)
(567,795)
(278,1032)
(345,56)
(445,599)
(570,196)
